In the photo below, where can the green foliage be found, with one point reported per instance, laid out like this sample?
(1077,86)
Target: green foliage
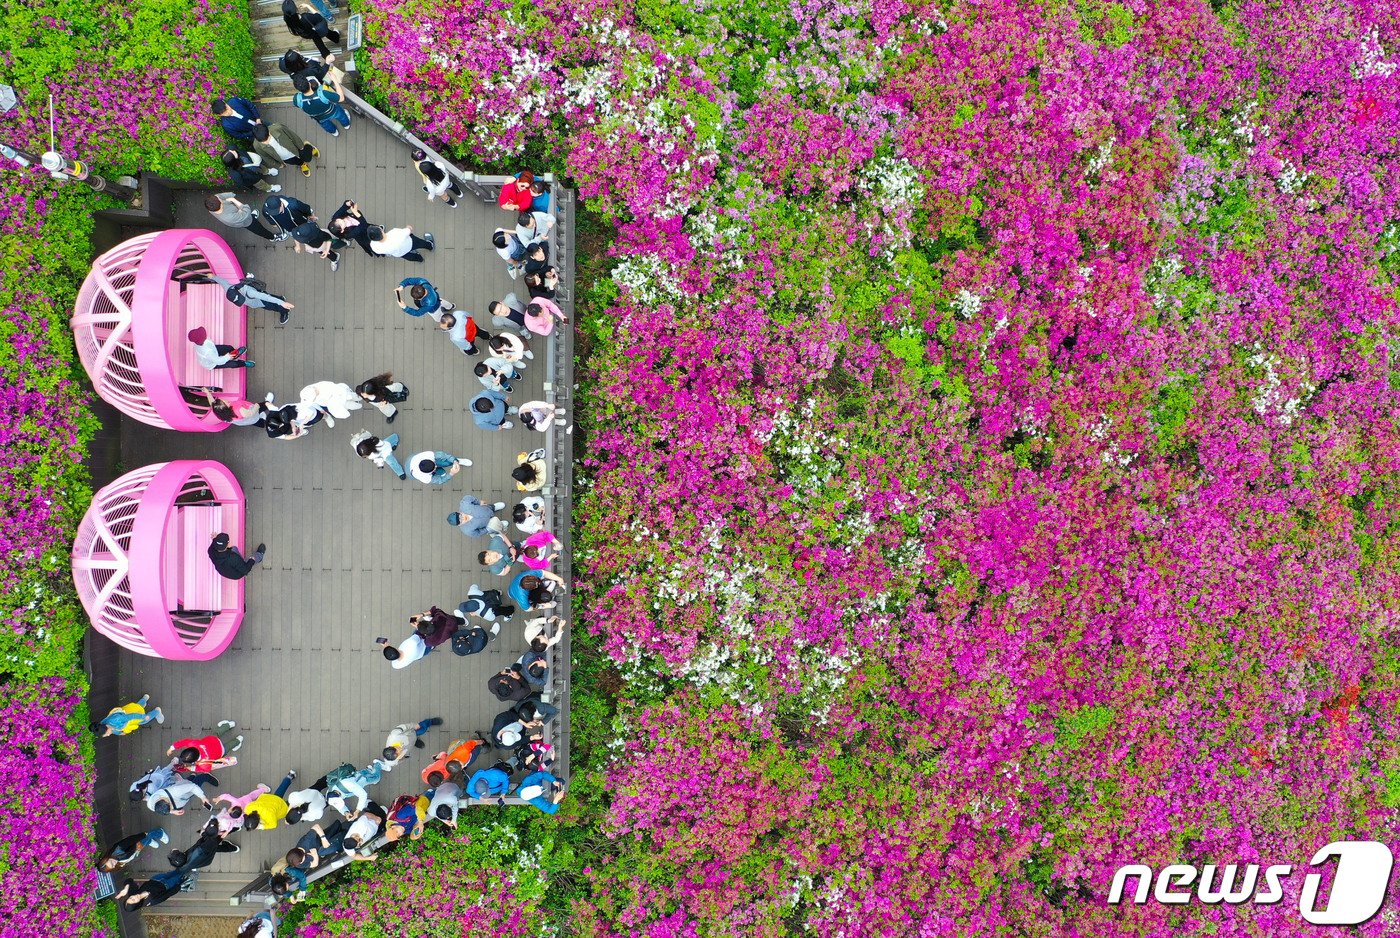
(1072,729)
(1171,411)
(1112,24)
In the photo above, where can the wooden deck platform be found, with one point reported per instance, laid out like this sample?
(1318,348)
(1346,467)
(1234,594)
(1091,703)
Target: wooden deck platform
(351,550)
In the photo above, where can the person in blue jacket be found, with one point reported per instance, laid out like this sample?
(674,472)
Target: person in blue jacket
(543,790)
(489,411)
(486,784)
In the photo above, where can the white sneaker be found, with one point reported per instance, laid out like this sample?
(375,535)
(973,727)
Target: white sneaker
(271,172)
(499,506)
(465,463)
(275,189)
(507,425)
(230,723)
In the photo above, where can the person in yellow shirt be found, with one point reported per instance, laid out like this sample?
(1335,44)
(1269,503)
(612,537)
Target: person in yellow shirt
(265,811)
(127,719)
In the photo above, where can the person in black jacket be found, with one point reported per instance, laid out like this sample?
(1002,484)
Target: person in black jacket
(287,213)
(209,844)
(293,63)
(229,562)
(247,170)
(349,224)
(305,23)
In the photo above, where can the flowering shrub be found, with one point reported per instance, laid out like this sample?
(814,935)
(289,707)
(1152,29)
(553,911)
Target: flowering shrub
(991,447)
(131,83)
(479,882)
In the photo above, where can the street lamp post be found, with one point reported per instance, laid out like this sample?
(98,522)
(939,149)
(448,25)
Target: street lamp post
(60,167)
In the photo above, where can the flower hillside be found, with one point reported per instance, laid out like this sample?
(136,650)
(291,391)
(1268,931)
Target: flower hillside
(992,451)
(131,83)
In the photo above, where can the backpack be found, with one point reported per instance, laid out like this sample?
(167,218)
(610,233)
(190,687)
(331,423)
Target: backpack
(397,397)
(339,774)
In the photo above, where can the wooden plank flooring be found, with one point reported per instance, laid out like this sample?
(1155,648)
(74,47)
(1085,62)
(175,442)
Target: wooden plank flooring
(351,550)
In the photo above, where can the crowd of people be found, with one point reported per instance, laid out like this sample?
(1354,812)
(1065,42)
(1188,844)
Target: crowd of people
(337,814)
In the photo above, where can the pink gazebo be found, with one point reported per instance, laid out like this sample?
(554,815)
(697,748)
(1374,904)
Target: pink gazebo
(132,318)
(141,560)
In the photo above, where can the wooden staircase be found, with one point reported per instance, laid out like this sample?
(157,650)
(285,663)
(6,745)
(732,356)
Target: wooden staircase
(210,897)
(273,39)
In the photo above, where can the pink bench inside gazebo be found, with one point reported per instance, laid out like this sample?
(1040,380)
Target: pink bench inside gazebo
(141,561)
(132,319)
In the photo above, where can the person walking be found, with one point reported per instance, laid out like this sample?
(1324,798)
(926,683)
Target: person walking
(349,224)
(540,415)
(411,649)
(228,562)
(436,182)
(249,292)
(227,210)
(172,798)
(267,809)
(154,780)
(490,784)
(318,242)
(129,848)
(293,63)
(461,331)
(510,249)
(247,170)
(436,626)
(528,514)
(418,297)
(541,314)
(543,790)
(202,852)
(475,518)
(400,242)
(496,374)
(487,605)
(336,398)
(489,411)
(383,392)
(306,22)
(532,226)
(127,718)
(287,213)
(321,103)
(353,785)
(540,550)
(154,891)
(204,754)
(379,452)
(472,640)
(237,116)
(531,471)
(230,819)
(403,737)
(515,194)
(508,313)
(498,556)
(279,146)
(307,804)
(213,355)
(434,467)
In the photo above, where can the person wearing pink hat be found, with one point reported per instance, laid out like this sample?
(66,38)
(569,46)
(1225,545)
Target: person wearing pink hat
(212,355)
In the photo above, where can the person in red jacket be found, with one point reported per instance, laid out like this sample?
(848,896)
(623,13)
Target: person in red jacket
(516,196)
(207,753)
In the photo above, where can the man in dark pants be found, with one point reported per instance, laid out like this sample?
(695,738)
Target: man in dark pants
(238,116)
(229,562)
(350,224)
(287,213)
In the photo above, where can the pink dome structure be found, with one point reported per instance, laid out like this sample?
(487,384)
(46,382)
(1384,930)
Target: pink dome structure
(132,319)
(141,562)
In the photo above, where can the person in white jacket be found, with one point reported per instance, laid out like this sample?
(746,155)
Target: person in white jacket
(379,452)
(436,182)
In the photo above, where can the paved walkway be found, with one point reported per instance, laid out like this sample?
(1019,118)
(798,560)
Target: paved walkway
(352,551)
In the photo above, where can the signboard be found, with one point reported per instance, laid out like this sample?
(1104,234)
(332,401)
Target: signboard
(106,886)
(354,32)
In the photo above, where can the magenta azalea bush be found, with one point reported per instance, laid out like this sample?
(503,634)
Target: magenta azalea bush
(131,83)
(992,448)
